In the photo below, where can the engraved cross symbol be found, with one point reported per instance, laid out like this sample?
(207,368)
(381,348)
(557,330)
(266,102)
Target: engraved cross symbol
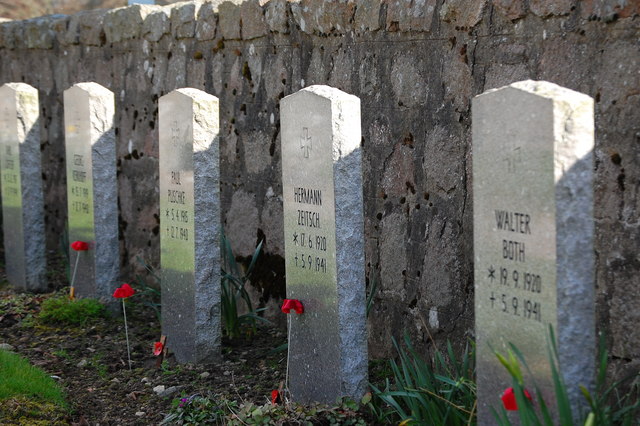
(305,142)
(513,158)
(175,133)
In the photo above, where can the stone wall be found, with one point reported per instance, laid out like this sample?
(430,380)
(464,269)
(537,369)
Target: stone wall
(415,64)
(25,9)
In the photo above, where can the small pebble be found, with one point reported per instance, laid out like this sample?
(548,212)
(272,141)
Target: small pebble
(145,380)
(6,347)
(226,373)
(82,363)
(169,391)
(159,389)
(140,413)
(115,380)
(205,375)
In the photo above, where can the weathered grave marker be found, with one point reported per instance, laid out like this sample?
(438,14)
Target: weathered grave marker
(22,198)
(533,235)
(324,243)
(190,224)
(92,194)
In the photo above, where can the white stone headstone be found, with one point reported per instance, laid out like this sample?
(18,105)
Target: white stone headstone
(92,193)
(190,224)
(22,198)
(324,243)
(533,236)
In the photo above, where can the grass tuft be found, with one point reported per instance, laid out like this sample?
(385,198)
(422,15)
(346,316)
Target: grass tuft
(436,391)
(19,378)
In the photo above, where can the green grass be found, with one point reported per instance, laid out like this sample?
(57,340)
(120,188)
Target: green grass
(19,378)
(61,310)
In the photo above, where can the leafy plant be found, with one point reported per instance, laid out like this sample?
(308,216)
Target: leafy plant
(195,410)
(61,310)
(98,363)
(373,288)
(167,370)
(216,409)
(146,294)
(438,391)
(62,353)
(233,282)
(609,405)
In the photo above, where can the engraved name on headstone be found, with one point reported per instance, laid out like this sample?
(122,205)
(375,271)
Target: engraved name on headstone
(533,236)
(324,243)
(92,194)
(22,198)
(190,224)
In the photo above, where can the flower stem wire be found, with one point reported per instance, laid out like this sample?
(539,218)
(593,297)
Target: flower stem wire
(72,290)
(126,333)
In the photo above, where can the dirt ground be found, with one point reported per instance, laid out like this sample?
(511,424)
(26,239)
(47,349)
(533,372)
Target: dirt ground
(91,362)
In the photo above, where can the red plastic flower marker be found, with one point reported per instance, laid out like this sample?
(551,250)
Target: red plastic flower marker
(294,304)
(123,291)
(157,348)
(275,396)
(509,399)
(80,246)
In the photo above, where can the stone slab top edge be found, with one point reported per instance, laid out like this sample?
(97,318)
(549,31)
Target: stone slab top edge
(92,88)
(324,91)
(19,87)
(543,89)
(193,93)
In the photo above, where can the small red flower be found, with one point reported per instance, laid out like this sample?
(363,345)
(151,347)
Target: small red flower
(509,399)
(157,348)
(80,246)
(275,396)
(295,304)
(123,291)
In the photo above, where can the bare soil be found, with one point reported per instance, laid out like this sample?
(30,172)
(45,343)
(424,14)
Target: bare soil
(90,362)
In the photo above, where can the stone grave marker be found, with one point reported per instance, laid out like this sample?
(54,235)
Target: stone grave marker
(533,236)
(324,243)
(190,224)
(92,194)
(22,198)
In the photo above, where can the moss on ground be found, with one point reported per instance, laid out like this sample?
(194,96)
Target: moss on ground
(21,410)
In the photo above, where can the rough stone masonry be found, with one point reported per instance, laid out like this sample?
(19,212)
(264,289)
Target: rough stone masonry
(415,65)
